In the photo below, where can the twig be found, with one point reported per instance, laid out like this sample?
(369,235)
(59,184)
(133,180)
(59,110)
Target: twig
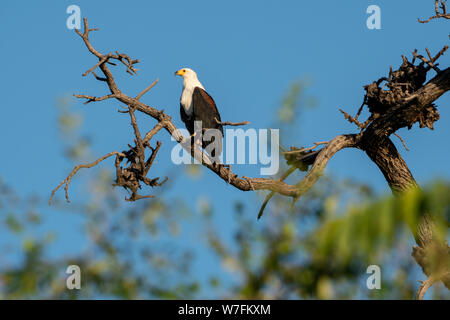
(271,194)
(280,147)
(98,78)
(126,60)
(426,61)
(152,157)
(440,53)
(442,14)
(425,285)
(140,149)
(149,135)
(135,197)
(364,103)
(316,144)
(228,123)
(403,141)
(78,167)
(146,89)
(355,120)
(101,61)
(91,98)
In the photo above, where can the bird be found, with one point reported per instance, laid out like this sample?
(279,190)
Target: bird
(197,105)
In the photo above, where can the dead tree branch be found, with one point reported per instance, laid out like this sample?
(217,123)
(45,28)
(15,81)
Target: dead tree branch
(440,11)
(403,100)
(229,123)
(67,180)
(164,121)
(303,150)
(146,89)
(424,286)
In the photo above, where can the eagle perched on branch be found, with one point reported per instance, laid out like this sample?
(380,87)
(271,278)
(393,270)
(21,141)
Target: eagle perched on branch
(197,105)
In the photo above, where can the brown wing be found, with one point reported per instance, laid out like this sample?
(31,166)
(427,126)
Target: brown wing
(205,109)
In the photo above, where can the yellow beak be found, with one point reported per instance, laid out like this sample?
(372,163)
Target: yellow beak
(179,72)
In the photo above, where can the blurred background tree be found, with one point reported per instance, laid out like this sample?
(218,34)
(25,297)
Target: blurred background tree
(318,248)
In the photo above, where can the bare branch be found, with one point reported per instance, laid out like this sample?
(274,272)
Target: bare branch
(150,160)
(401,139)
(97,77)
(91,98)
(425,60)
(316,144)
(101,61)
(85,37)
(140,150)
(149,135)
(425,285)
(438,4)
(354,120)
(246,184)
(229,123)
(127,61)
(78,167)
(271,194)
(146,89)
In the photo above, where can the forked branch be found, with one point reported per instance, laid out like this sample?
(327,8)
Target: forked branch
(67,180)
(440,11)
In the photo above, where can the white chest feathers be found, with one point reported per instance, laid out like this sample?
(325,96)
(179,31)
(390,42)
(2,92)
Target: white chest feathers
(186,95)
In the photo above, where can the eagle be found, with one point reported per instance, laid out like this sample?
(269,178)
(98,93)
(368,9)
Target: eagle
(197,105)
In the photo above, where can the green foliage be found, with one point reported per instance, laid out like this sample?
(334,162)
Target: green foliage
(321,251)
(289,110)
(375,226)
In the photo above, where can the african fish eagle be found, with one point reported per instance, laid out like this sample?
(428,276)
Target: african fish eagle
(197,105)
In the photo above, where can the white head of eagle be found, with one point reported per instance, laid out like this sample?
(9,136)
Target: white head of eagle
(197,105)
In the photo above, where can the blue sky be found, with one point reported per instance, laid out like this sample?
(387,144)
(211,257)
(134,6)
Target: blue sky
(245,53)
